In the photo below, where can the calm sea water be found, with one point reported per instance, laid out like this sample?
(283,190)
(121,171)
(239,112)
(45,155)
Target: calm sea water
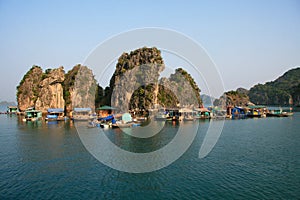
(253,159)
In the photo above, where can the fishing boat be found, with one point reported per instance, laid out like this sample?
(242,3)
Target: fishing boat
(287,114)
(32,115)
(279,113)
(55,114)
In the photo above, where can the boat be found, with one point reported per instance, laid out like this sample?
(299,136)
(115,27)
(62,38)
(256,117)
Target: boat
(55,114)
(32,115)
(82,114)
(120,124)
(279,113)
(237,112)
(187,114)
(162,115)
(203,113)
(287,114)
(173,114)
(188,118)
(253,114)
(12,110)
(256,111)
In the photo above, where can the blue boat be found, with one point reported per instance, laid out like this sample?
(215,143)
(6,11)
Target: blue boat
(238,113)
(55,114)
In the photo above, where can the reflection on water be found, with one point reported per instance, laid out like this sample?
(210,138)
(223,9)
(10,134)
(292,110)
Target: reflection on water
(254,159)
(125,138)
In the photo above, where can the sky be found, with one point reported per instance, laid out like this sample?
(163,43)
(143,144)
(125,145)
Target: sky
(250,42)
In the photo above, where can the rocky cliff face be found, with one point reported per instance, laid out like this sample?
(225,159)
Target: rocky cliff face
(29,88)
(84,90)
(55,89)
(135,71)
(183,87)
(136,85)
(51,90)
(233,98)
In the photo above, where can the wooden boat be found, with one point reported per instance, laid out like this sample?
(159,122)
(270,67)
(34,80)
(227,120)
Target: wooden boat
(287,114)
(32,115)
(279,113)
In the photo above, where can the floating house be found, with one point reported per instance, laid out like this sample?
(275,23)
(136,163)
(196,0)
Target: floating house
(162,115)
(203,113)
(173,114)
(55,114)
(105,111)
(257,111)
(32,115)
(82,114)
(187,114)
(12,109)
(218,113)
(237,112)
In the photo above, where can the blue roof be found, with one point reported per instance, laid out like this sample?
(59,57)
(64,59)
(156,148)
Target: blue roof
(55,110)
(82,109)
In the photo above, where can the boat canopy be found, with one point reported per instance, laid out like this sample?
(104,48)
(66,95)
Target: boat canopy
(256,107)
(106,108)
(55,110)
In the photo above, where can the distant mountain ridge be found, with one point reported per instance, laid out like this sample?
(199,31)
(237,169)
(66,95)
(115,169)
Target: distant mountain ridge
(283,91)
(207,100)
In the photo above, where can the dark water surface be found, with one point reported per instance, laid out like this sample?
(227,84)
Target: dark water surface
(253,159)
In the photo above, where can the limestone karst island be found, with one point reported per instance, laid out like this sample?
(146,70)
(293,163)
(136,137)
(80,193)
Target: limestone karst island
(137,93)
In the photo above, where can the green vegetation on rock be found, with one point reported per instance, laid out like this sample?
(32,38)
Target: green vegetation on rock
(137,73)
(28,89)
(69,84)
(282,91)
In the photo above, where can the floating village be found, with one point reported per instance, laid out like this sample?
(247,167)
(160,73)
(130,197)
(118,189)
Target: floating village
(109,117)
(137,94)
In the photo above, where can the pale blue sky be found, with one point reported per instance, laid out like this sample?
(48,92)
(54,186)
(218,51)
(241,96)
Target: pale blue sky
(250,41)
